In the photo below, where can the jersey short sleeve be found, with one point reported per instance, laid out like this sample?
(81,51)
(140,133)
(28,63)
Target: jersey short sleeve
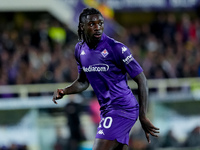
(125,60)
(77,57)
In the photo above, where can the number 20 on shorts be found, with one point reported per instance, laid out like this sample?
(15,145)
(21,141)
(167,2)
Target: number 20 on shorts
(106,122)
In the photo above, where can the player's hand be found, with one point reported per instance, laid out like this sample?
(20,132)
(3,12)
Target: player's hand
(148,128)
(58,94)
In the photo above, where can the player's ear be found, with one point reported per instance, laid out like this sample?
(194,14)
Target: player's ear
(82,26)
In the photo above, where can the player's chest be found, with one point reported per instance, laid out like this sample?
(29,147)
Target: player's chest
(94,57)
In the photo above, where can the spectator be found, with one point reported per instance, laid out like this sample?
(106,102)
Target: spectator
(193,139)
(170,140)
(72,111)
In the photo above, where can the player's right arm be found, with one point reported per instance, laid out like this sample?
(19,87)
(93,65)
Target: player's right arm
(79,85)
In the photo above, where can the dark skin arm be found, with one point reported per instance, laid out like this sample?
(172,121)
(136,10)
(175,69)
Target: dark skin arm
(79,85)
(147,126)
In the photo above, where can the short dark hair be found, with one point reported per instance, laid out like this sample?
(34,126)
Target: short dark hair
(83,14)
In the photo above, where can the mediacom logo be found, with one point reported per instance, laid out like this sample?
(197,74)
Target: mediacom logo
(96,68)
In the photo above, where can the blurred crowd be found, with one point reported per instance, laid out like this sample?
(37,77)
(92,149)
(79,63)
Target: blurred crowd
(36,51)
(41,50)
(168,47)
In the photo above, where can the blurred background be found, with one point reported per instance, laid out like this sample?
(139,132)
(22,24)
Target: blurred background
(37,40)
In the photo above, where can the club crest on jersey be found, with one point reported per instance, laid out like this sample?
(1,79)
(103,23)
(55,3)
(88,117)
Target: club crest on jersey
(104,53)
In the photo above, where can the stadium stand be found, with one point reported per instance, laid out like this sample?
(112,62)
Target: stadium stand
(37,55)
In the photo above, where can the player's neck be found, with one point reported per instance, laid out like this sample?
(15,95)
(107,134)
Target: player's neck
(92,44)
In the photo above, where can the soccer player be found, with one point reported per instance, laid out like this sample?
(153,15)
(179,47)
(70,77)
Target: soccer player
(103,62)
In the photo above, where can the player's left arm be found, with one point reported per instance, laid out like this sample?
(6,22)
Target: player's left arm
(126,61)
(147,126)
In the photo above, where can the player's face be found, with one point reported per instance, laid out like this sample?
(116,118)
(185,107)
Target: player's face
(93,27)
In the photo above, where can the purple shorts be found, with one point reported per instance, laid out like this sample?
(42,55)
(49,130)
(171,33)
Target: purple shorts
(113,126)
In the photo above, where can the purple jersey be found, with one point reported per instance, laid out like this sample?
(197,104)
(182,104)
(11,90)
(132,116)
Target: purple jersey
(106,68)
